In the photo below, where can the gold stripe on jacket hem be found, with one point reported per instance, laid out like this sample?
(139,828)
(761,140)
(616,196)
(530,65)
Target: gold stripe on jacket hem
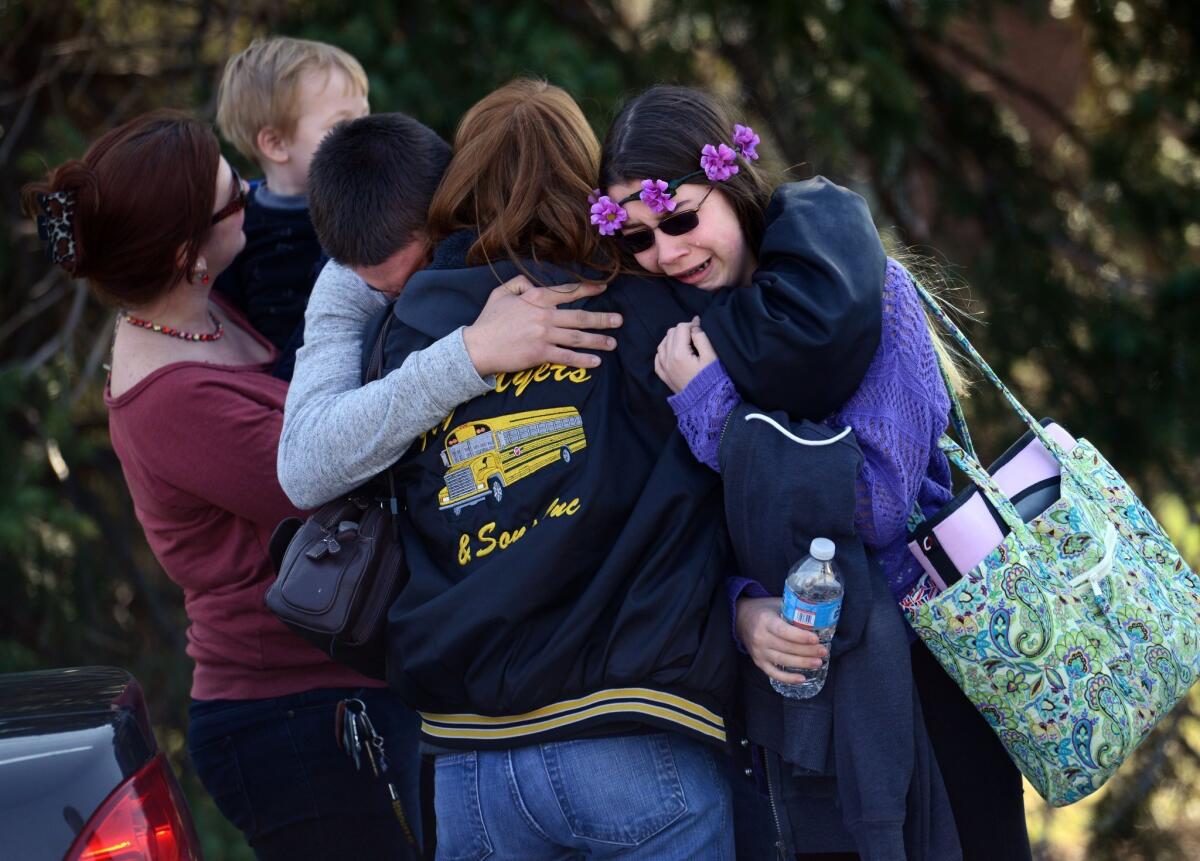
(632,701)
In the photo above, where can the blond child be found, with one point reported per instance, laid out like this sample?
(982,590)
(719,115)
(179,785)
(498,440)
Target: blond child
(278,99)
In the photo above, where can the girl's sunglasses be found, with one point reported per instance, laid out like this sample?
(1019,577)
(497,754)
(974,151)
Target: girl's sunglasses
(675,224)
(236,203)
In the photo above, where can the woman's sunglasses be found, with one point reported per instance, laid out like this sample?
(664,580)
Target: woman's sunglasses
(236,203)
(675,224)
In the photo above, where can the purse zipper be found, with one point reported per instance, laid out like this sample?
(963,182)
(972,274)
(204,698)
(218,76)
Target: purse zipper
(327,544)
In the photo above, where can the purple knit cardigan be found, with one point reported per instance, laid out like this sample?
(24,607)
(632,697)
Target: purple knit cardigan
(898,413)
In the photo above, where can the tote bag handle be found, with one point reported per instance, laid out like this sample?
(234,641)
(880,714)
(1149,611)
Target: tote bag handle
(1052,446)
(965,458)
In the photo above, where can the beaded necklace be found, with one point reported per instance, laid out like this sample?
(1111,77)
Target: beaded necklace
(214,335)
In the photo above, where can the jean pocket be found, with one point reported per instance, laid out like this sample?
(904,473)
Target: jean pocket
(216,764)
(461,835)
(621,790)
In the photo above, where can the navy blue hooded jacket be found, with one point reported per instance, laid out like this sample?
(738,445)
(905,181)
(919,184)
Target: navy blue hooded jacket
(859,769)
(567,552)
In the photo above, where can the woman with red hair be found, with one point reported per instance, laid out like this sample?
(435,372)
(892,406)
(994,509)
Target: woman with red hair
(150,216)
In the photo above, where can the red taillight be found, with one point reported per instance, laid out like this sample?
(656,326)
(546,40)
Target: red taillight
(143,820)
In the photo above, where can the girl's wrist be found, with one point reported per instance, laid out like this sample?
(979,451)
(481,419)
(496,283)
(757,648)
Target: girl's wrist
(698,388)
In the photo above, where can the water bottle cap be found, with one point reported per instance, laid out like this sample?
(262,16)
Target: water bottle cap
(821,549)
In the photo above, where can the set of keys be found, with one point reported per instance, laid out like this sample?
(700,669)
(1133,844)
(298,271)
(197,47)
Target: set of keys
(358,739)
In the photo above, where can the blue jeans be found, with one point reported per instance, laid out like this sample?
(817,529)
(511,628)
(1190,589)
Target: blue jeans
(655,796)
(274,769)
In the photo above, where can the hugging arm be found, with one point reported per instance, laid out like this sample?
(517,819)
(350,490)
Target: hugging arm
(800,338)
(337,433)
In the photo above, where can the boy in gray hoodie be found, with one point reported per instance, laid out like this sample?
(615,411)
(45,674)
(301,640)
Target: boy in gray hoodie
(337,433)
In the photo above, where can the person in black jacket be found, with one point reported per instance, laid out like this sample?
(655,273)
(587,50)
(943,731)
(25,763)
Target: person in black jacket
(689,215)
(565,631)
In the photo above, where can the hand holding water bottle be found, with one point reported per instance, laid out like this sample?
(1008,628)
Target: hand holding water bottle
(812,601)
(773,644)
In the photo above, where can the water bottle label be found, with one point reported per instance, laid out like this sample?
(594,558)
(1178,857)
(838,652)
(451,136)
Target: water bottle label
(800,612)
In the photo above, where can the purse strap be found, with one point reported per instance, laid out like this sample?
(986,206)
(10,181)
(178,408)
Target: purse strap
(375,362)
(374,372)
(957,419)
(965,458)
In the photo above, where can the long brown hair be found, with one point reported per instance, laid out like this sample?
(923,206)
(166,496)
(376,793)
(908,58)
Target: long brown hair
(524,160)
(144,197)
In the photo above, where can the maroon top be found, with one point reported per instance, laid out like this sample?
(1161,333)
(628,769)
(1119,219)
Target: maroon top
(197,444)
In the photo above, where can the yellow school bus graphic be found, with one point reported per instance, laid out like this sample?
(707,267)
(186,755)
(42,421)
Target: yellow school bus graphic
(484,457)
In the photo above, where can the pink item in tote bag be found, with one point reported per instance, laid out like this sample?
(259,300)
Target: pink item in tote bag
(951,543)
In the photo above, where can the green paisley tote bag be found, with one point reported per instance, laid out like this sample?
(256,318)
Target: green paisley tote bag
(1080,631)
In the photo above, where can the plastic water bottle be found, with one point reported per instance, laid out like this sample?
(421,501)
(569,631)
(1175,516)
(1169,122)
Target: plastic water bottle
(812,599)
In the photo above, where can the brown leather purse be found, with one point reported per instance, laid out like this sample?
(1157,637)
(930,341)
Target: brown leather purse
(341,569)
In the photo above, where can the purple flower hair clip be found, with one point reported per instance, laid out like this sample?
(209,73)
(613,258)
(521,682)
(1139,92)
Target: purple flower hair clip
(719,162)
(745,141)
(656,194)
(608,215)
